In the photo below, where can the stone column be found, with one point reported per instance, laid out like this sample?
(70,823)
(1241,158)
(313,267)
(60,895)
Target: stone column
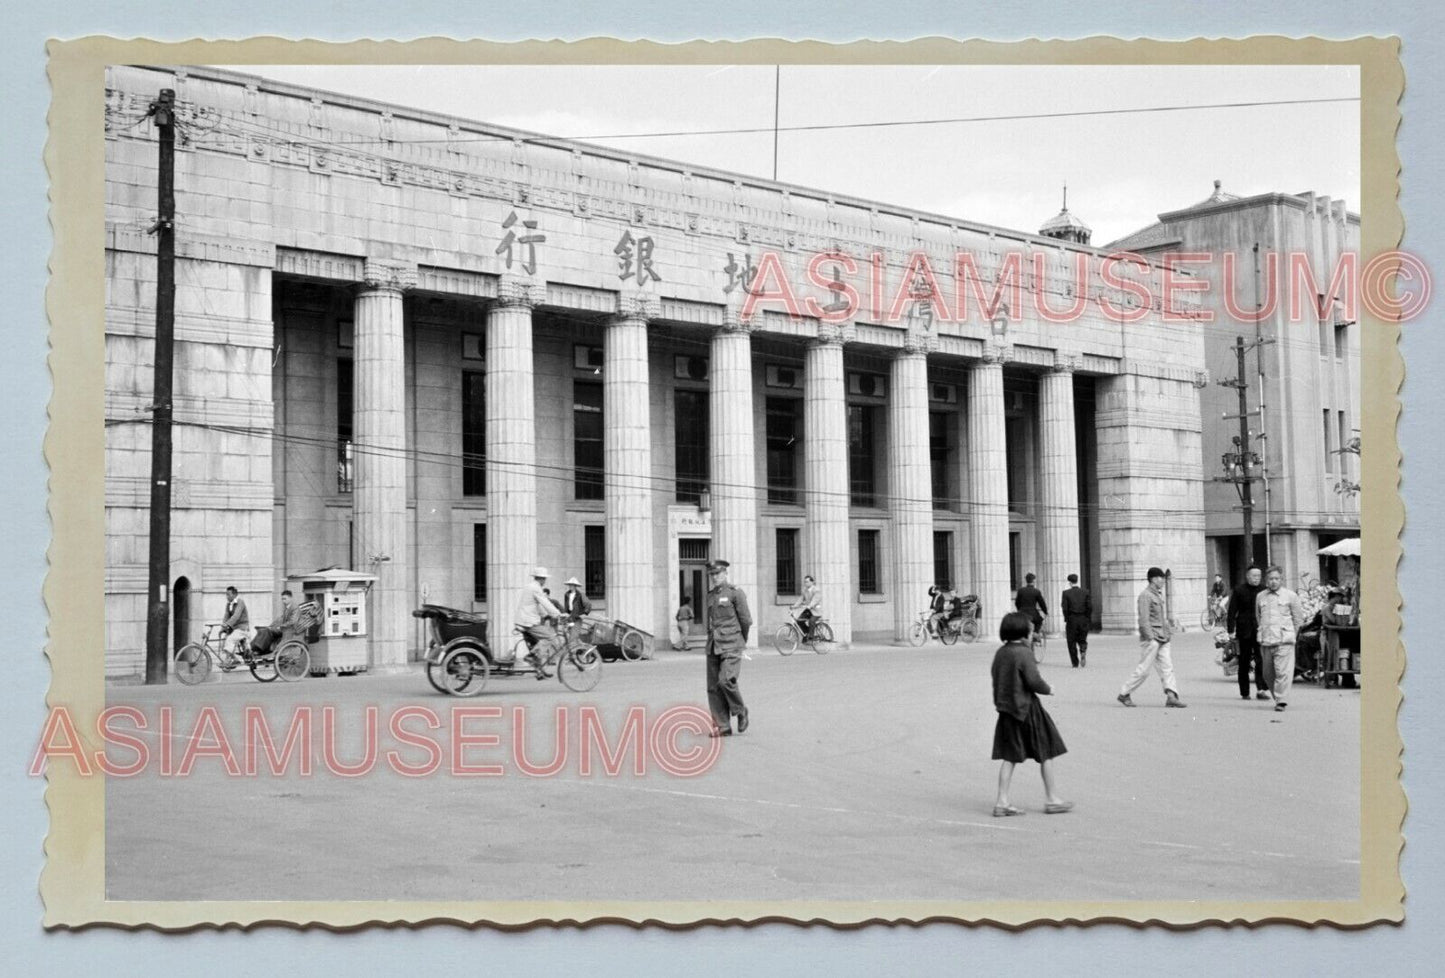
(988,486)
(1059,468)
(910,481)
(734,466)
(511,455)
(627,465)
(826,544)
(379,492)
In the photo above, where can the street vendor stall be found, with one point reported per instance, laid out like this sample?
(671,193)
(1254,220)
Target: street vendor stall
(1340,621)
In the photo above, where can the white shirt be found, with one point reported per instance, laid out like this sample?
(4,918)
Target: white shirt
(533,605)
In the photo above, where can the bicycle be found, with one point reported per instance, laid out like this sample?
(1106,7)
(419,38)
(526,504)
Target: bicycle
(1038,642)
(1214,612)
(465,669)
(818,634)
(288,660)
(923,626)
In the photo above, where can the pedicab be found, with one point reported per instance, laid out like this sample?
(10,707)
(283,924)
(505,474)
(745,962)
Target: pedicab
(459,660)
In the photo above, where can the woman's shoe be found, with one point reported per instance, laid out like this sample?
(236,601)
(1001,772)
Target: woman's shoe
(1001,811)
(1059,809)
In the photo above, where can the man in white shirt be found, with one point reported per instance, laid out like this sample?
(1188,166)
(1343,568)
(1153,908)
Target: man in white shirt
(534,609)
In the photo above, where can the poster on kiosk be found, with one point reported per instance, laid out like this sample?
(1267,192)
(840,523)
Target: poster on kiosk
(338,640)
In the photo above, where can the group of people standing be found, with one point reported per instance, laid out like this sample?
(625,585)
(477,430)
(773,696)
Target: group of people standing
(1264,620)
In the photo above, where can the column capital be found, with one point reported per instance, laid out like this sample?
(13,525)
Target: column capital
(997,353)
(1065,363)
(384,275)
(733,322)
(637,307)
(919,343)
(515,291)
(835,334)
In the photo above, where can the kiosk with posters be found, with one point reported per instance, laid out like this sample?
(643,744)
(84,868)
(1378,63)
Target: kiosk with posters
(338,640)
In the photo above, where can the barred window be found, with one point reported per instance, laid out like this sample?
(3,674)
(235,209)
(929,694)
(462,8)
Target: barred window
(787,545)
(345,407)
(868,581)
(783,439)
(479,561)
(474,433)
(862,486)
(587,439)
(690,415)
(594,561)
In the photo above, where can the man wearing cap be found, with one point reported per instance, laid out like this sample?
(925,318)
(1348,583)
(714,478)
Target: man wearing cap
(574,602)
(1154,635)
(728,623)
(534,609)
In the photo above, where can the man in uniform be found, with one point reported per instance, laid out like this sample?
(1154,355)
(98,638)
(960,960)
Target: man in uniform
(1078,609)
(728,624)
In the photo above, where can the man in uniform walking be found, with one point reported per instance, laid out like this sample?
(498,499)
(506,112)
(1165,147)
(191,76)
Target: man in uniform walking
(1078,609)
(728,624)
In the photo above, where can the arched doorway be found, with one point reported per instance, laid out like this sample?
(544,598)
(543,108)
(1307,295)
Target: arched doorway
(181,611)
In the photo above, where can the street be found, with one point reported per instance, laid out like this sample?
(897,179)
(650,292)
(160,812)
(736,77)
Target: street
(865,775)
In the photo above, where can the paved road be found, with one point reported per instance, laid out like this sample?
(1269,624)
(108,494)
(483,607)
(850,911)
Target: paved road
(865,775)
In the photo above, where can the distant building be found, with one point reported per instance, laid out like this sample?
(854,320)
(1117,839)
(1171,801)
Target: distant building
(1066,226)
(1311,370)
(442,352)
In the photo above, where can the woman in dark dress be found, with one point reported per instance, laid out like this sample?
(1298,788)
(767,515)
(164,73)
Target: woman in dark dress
(1024,729)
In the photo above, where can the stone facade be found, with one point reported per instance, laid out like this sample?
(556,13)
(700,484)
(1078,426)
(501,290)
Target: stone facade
(391,342)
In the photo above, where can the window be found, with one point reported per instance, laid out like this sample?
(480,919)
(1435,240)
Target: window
(587,439)
(940,428)
(862,487)
(474,433)
(690,414)
(1329,449)
(787,561)
(479,562)
(1342,341)
(782,436)
(345,406)
(943,559)
(1343,443)
(1016,438)
(1324,311)
(594,561)
(868,582)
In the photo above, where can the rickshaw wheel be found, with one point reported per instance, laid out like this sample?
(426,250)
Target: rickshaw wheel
(580,668)
(969,629)
(433,675)
(464,672)
(193,664)
(948,632)
(293,661)
(263,667)
(632,646)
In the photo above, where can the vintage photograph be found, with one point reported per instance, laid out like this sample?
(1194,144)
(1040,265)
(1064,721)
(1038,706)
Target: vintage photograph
(856,491)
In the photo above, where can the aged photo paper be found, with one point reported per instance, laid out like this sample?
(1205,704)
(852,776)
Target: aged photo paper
(481,349)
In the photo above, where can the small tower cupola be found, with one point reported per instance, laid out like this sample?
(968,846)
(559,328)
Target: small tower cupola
(1067,227)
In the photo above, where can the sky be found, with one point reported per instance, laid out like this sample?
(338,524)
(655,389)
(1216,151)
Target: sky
(1122,169)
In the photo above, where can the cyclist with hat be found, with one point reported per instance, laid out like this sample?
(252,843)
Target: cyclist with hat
(534,615)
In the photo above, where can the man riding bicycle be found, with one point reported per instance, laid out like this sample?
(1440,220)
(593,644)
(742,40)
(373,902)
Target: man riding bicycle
(533,616)
(811,605)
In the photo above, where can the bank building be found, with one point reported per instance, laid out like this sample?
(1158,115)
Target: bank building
(440,352)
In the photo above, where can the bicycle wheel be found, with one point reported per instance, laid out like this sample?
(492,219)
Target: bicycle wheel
(822,637)
(1206,619)
(433,675)
(193,664)
(969,629)
(293,661)
(786,639)
(1038,645)
(580,668)
(464,672)
(948,634)
(632,646)
(263,667)
(918,633)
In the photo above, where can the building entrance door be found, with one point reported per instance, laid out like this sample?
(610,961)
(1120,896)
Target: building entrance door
(692,583)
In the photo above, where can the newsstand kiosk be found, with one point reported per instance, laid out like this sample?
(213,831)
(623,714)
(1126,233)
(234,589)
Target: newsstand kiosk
(338,640)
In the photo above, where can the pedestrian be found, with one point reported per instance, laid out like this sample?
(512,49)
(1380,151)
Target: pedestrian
(1024,730)
(1280,615)
(728,624)
(574,602)
(1078,609)
(684,623)
(236,623)
(1154,636)
(1030,601)
(1243,627)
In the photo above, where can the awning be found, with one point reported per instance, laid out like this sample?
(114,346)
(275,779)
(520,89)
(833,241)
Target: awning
(1348,547)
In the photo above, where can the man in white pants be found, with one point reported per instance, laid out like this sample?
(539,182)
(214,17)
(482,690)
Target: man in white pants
(1280,615)
(1154,636)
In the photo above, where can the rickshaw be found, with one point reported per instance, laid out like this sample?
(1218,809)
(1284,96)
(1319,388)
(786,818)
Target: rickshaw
(289,660)
(459,660)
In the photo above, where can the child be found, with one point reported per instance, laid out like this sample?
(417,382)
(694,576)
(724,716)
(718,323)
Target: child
(684,624)
(1024,730)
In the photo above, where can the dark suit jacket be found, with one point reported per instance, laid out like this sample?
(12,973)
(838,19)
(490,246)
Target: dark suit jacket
(575,604)
(1076,601)
(1030,601)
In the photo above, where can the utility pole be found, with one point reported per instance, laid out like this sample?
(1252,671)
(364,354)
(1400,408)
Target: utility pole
(1238,464)
(163,111)
(1259,345)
